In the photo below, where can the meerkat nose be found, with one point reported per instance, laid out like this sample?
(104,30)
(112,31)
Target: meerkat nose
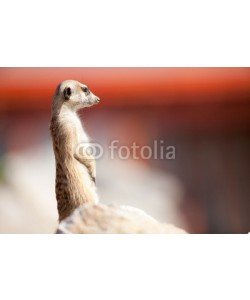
(97,99)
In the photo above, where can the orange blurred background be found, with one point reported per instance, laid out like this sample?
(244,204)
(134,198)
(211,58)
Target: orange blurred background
(203,112)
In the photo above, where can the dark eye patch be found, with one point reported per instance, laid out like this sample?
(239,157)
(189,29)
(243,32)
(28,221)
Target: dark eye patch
(85,89)
(67,93)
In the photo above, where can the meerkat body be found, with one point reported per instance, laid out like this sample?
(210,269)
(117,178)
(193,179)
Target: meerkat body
(75,172)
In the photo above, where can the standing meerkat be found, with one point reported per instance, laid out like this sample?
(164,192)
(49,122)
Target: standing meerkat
(75,172)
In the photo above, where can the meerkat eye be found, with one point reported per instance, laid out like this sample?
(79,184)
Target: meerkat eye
(67,93)
(85,89)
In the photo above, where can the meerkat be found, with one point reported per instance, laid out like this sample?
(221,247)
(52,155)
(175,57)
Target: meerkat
(75,172)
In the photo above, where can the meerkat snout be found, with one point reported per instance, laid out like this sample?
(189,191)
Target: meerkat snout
(74,95)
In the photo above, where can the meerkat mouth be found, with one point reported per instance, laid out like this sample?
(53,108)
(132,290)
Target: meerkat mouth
(96,101)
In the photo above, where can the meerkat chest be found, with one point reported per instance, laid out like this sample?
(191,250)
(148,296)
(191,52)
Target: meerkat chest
(81,135)
(79,141)
(74,121)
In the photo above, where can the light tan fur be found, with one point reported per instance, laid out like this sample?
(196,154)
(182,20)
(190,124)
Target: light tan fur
(75,174)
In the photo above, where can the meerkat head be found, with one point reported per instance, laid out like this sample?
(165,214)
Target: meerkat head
(74,95)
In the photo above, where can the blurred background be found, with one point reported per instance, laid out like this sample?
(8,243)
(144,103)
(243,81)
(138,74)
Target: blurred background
(203,112)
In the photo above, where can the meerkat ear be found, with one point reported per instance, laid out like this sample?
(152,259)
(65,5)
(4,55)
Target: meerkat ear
(67,93)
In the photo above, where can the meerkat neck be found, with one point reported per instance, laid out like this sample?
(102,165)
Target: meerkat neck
(64,115)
